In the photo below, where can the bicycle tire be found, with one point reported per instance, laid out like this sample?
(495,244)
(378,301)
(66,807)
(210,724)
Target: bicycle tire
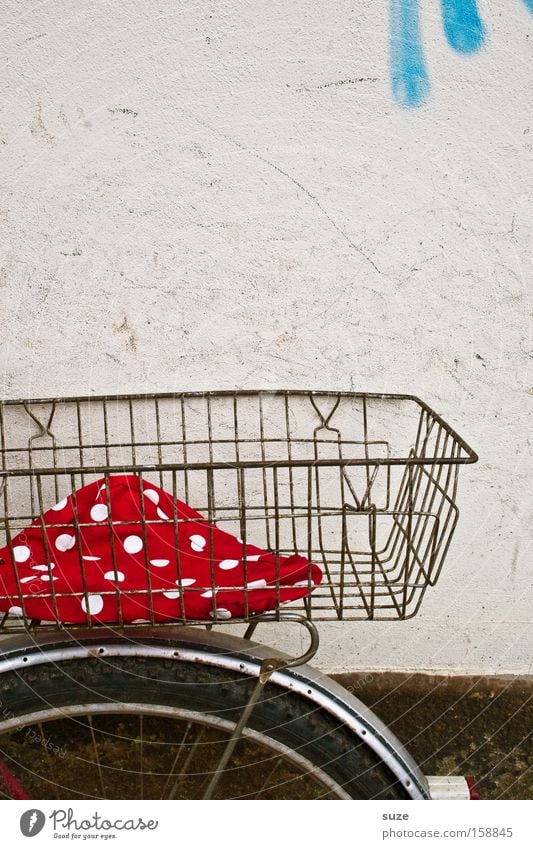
(302,735)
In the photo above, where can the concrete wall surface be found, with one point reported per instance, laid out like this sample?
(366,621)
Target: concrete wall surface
(309,194)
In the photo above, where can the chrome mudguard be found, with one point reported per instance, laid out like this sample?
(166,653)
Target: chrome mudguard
(196,645)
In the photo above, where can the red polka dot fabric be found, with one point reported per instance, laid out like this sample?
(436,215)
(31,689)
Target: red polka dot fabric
(97,561)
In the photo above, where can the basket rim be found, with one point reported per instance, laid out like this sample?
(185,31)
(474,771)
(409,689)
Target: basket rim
(471,455)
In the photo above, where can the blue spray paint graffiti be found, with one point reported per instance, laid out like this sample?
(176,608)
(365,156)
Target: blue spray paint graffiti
(462,25)
(410,81)
(464,32)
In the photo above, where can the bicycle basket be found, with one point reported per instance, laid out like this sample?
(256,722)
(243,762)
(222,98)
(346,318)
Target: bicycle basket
(362,485)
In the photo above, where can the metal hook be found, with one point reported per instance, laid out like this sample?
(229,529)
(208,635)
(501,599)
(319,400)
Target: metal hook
(360,504)
(287,616)
(44,430)
(325,420)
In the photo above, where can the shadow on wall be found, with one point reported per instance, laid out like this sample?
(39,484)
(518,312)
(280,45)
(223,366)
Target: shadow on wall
(464,31)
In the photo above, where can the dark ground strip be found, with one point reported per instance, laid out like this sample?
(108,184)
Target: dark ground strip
(459,725)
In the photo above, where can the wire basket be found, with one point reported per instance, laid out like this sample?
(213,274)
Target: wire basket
(362,485)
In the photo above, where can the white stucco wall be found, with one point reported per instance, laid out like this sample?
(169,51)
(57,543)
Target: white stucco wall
(214,195)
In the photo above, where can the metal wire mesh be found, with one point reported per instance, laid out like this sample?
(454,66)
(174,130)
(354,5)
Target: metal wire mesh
(362,485)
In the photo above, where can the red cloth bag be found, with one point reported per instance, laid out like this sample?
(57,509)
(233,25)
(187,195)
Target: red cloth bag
(97,561)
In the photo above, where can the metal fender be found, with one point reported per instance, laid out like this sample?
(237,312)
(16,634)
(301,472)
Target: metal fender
(197,645)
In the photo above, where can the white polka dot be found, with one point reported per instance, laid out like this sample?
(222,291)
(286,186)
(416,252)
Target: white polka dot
(43,567)
(60,504)
(110,576)
(255,585)
(159,563)
(46,577)
(27,580)
(21,553)
(172,594)
(99,512)
(162,515)
(221,613)
(198,543)
(187,582)
(96,604)
(16,611)
(152,495)
(252,557)
(89,557)
(208,594)
(304,584)
(133,544)
(65,541)
(228,564)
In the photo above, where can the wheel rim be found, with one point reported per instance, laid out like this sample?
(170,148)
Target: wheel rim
(136,751)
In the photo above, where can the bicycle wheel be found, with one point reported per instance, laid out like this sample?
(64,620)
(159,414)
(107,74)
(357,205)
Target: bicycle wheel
(145,727)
